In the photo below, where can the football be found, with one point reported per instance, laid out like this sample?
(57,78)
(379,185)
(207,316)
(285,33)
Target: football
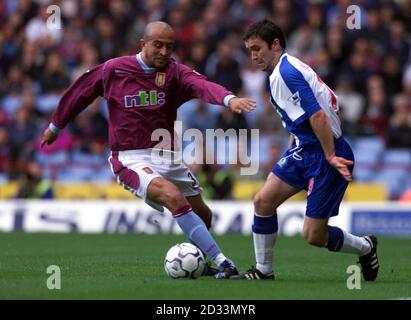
(184,260)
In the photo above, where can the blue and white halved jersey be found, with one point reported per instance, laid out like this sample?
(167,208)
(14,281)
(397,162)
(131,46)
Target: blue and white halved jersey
(297,92)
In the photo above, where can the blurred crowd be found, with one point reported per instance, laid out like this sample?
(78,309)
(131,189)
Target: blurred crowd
(369,69)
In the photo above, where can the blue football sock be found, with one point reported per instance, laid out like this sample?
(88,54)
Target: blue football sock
(197,232)
(335,238)
(264,224)
(264,237)
(191,241)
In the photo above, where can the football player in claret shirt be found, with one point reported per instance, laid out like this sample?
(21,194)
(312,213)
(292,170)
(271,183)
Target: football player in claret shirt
(319,160)
(143,93)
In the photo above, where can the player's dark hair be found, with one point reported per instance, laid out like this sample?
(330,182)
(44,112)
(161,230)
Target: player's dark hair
(267,31)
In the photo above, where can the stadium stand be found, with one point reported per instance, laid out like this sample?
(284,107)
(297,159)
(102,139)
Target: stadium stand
(369,67)
(242,190)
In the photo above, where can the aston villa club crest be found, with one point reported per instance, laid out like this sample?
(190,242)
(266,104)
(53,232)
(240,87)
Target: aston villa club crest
(160,79)
(148,170)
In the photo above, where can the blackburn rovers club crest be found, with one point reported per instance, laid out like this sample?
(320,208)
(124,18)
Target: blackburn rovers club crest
(160,79)
(310,186)
(282,161)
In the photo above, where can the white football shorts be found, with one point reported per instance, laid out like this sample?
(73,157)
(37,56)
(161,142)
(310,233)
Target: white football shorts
(135,169)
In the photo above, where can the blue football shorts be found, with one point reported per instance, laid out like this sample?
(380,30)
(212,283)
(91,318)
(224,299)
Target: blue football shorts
(307,168)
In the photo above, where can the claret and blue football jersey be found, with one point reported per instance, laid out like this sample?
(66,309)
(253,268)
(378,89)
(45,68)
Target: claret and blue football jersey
(140,99)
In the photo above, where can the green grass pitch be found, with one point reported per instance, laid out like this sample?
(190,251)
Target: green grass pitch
(130,266)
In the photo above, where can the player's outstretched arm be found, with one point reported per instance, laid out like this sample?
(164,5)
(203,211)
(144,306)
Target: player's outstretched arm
(81,93)
(240,105)
(322,129)
(48,137)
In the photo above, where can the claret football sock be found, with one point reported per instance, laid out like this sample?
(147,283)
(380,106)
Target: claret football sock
(264,236)
(197,232)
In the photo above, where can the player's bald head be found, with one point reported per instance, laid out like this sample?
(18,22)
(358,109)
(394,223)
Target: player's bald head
(158,29)
(157,44)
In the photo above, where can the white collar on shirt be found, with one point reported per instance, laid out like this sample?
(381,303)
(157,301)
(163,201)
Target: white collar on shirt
(143,65)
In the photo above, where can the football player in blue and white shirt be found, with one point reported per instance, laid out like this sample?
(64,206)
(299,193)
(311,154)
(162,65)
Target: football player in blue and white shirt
(319,159)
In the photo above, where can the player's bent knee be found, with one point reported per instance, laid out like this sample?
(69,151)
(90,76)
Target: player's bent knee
(262,206)
(166,193)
